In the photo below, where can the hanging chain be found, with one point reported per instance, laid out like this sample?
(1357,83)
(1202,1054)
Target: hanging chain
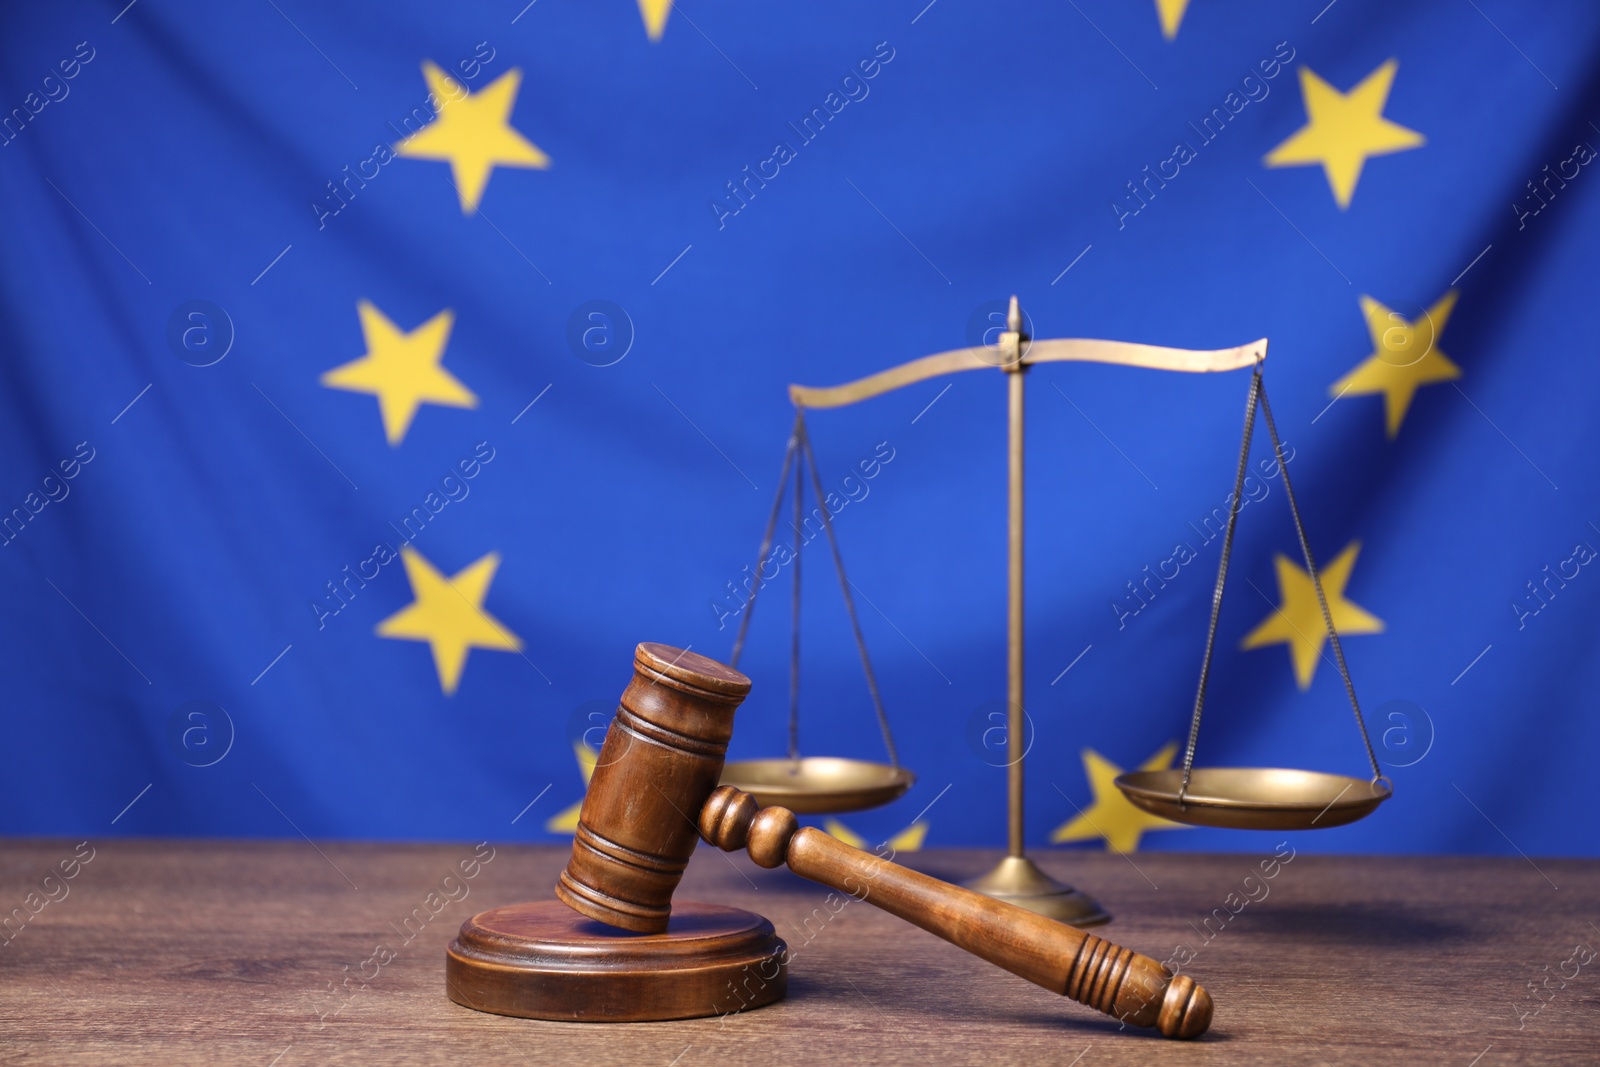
(1316,582)
(1222,575)
(794,611)
(789,454)
(1258,393)
(844,586)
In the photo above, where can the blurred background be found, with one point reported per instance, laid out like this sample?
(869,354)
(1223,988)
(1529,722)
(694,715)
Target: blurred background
(376,376)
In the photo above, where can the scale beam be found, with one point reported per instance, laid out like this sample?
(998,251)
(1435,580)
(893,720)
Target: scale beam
(1061,350)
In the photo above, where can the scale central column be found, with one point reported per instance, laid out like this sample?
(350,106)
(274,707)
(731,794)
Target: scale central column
(1016,879)
(1016,724)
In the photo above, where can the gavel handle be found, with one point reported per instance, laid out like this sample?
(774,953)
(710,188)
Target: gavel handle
(1117,981)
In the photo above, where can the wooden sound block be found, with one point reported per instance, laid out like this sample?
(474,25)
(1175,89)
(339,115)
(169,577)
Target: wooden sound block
(542,960)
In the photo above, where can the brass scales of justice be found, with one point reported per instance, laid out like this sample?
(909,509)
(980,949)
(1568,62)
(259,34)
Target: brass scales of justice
(1233,797)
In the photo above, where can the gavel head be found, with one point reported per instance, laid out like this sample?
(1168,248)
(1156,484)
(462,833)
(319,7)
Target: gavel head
(661,759)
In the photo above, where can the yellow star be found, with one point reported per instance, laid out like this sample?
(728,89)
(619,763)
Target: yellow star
(473,133)
(1297,622)
(1405,357)
(448,614)
(1112,816)
(1171,12)
(908,840)
(1344,130)
(655,16)
(402,369)
(566,820)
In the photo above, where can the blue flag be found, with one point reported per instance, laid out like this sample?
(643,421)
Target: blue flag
(377,376)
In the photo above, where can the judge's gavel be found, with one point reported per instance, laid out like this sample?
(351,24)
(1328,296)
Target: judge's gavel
(654,790)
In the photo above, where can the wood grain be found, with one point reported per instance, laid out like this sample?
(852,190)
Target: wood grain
(178,952)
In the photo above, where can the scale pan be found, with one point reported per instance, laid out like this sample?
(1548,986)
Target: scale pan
(818,785)
(1255,798)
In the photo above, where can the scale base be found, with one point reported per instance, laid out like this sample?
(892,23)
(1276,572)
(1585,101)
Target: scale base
(542,960)
(1016,880)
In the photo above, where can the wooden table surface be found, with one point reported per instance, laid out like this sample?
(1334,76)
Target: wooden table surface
(169,952)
